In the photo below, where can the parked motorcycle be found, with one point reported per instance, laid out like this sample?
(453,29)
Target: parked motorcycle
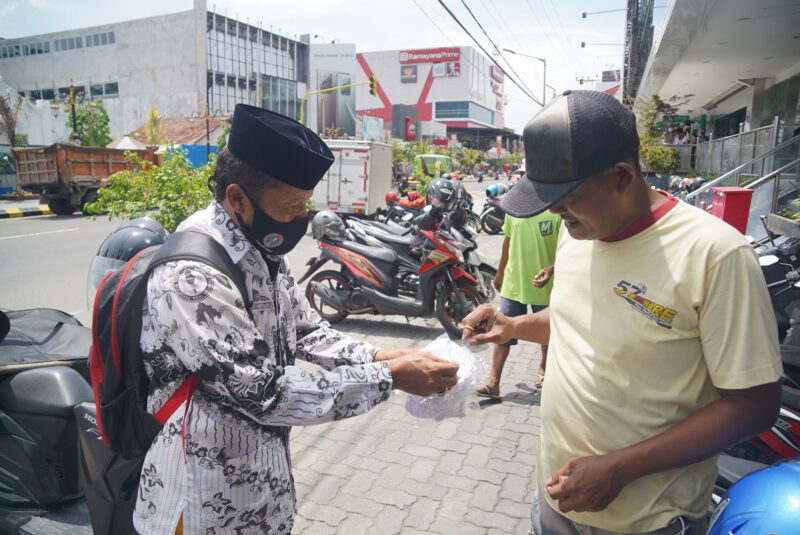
(400,239)
(782,440)
(55,471)
(370,279)
(492,217)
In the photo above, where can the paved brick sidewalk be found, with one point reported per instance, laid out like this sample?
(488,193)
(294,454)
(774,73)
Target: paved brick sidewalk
(387,472)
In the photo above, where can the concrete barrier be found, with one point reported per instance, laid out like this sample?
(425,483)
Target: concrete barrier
(42,209)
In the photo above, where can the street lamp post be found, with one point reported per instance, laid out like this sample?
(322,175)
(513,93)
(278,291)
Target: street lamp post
(544,72)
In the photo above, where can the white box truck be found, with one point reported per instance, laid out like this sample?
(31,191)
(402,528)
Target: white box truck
(358,180)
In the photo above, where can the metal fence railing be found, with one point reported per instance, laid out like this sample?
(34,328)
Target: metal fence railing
(719,156)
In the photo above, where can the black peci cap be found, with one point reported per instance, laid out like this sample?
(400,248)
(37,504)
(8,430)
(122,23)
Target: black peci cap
(278,146)
(577,135)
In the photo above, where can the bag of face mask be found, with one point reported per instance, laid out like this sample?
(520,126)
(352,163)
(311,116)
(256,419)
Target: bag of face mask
(451,404)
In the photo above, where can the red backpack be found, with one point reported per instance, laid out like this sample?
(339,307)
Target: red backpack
(119,381)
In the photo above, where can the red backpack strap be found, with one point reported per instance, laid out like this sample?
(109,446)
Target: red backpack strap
(183,393)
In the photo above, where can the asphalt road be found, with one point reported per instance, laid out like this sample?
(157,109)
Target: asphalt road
(45,259)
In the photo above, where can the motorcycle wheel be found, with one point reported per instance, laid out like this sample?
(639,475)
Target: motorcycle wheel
(447,306)
(336,282)
(488,227)
(488,273)
(474,222)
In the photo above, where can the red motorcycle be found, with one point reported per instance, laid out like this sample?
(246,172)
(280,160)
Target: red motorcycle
(376,280)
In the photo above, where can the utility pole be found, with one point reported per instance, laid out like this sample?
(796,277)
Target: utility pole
(544,71)
(76,140)
(372,90)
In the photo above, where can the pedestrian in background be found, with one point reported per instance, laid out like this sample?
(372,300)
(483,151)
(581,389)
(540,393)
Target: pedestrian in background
(523,280)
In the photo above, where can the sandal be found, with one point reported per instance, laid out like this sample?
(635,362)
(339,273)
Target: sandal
(486,392)
(539,382)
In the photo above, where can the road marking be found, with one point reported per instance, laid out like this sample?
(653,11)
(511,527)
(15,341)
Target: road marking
(38,233)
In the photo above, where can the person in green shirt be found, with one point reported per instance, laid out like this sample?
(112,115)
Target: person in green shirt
(523,279)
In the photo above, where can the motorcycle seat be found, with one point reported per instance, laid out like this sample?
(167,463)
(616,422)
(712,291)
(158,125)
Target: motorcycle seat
(791,397)
(378,253)
(790,355)
(50,391)
(391,238)
(733,469)
(389,228)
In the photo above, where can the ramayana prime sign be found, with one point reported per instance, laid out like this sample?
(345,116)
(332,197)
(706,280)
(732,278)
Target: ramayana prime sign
(430,55)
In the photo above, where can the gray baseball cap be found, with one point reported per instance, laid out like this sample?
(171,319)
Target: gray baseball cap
(577,135)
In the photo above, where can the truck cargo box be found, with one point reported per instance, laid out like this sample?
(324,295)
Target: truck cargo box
(67,176)
(358,180)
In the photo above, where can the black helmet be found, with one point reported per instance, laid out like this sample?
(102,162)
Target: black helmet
(461,191)
(122,245)
(327,223)
(442,192)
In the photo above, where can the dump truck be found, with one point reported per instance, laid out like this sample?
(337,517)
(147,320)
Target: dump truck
(67,177)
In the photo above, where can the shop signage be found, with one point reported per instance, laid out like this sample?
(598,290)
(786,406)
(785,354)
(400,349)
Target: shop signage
(411,129)
(408,74)
(450,69)
(430,55)
(496,73)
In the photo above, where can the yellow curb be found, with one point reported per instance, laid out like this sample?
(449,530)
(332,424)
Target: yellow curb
(45,209)
(14,212)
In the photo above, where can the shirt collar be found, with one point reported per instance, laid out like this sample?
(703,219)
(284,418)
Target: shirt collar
(647,220)
(215,221)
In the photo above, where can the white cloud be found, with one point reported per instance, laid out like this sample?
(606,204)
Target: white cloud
(41,4)
(6,10)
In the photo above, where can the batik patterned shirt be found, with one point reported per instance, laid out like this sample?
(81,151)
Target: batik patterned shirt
(222,459)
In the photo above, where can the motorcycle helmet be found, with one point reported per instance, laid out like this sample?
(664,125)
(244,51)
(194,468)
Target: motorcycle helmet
(761,503)
(461,191)
(122,245)
(492,191)
(327,223)
(413,196)
(441,192)
(391,198)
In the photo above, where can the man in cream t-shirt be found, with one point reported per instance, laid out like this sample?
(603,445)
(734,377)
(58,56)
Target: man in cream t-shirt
(663,347)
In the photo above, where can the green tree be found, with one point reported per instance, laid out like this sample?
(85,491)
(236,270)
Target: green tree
(91,122)
(154,129)
(471,157)
(175,189)
(651,112)
(222,140)
(10,110)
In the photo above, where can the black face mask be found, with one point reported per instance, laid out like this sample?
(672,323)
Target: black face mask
(269,236)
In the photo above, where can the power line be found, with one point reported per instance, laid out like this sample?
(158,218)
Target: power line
(519,44)
(507,25)
(530,96)
(496,47)
(564,31)
(555,43)
(466,56)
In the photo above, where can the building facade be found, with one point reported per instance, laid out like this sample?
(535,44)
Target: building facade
(176,63)
(738,60)
(453,91)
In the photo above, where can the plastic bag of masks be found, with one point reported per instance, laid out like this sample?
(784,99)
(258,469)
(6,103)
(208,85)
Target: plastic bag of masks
(451,404)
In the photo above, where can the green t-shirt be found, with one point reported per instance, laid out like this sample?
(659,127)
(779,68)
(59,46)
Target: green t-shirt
(532,247)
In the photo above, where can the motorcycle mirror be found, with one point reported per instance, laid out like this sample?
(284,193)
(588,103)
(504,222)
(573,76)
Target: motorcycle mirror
(768,260)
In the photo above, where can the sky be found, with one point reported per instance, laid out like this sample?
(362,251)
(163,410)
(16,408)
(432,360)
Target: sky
(549,29)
